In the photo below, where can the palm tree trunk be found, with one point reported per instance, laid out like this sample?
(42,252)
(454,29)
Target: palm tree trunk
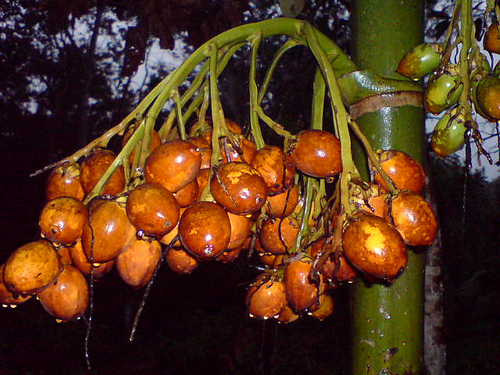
(387,320)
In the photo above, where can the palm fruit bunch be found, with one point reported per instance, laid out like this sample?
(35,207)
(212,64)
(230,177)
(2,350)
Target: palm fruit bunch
(195,188)
(460,89)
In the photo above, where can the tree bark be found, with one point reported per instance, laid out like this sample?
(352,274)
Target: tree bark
(387,320)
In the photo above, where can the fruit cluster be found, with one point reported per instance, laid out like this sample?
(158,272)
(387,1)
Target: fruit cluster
(461,88)
(209,197)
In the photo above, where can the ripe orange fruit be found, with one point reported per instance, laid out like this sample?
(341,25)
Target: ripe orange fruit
(404,171)
(239,188)
(152,209)
(136,263)
(266,297)
(301,293)
(31,267)
(205,230)
(374,247)
(275,167)
(317,153)
(413,217)
(173,165)
(68,297)
(61,220)
(93,168)
(180,261)
(64,181)
(277,235)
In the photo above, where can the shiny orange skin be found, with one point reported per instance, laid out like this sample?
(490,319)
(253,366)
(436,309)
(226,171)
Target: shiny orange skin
(239,188)
(274,261)
(301,293)
(374,247)
(202,179)
(81,262)
(240,230)
(64,181)
(205,230)
(68,297)
(317,153)
(205,150)
(325,309)
(266,298)
(174,164)
(188,194)
(245,154)
(404,171)
(180,261)
(282,205)
(152,209)
(288,315)
(31,267)
(491,39)
(278,235)
(336,269)
(229,256)
(6,296)
(155,142)
(61,220)
(93,168)
(413,217)
(376,202)
(275,167)
(111,231)
(136,263)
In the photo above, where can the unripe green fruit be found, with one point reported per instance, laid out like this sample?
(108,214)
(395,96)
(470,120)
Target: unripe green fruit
(443,91)
(488,96)
(420,61)
(448,135)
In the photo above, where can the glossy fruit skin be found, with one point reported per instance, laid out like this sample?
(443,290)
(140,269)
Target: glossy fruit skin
(239,188)
(448,136)
(266,298)
(31,267)
(278,235)
(112,232)
(205,230)
(301,293)
(205,151)
(244,152)
(6,296)
(374,247)
(152,209)
(488,96)
(93,168)
(317,153)
(180,261)
(136,263)
(275,167)
(173,165)
(188,194)
(283,204)
(413,217)
(154,142)
(68,297)
(64,181)
(404,171)
(80,261)
(443,91)
(240,230)
(420,60)
(325,309)
(373,200)
(491,39)
(61,220)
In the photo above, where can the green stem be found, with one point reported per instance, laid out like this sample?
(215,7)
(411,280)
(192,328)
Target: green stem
(254,93)
(217,113)
(318,101)
(180,117)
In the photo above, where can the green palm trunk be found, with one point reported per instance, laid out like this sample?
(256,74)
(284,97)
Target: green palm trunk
(388,319)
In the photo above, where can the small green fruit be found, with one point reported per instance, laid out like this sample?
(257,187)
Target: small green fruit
(443,91)
(420,61)
(488,96)
(448,135)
